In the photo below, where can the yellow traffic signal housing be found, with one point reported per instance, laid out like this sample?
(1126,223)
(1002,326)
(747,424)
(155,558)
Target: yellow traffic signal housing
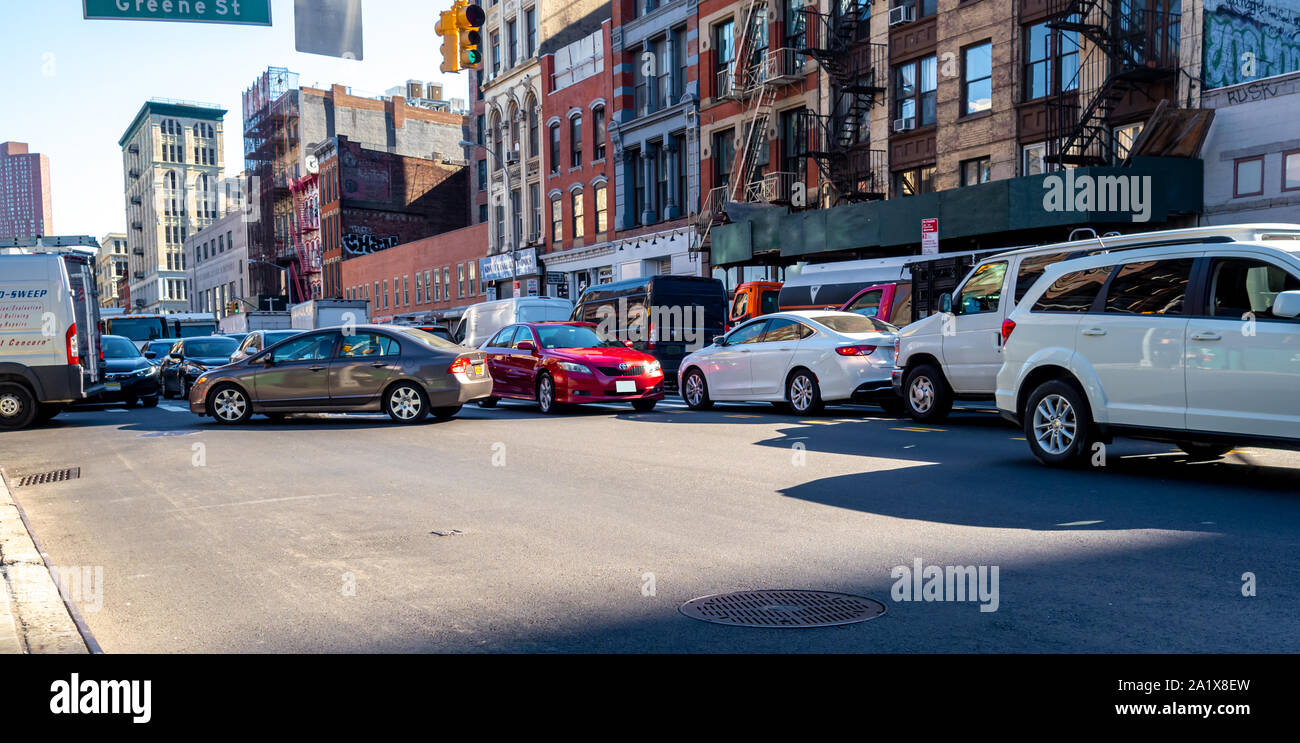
(450,34)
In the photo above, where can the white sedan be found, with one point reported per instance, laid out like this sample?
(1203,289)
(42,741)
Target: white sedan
(796,360)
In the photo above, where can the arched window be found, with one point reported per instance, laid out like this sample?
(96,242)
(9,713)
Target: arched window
(533,116)
(598,133)
(514,130)
(494,131)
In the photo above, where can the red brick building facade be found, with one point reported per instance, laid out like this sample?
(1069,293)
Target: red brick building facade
(435,277)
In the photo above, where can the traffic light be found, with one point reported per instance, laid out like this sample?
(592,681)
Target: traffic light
(459,29)
(232,307)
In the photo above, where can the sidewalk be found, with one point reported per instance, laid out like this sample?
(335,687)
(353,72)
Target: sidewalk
(33,618)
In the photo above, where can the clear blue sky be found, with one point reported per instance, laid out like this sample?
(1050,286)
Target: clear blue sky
(77,84)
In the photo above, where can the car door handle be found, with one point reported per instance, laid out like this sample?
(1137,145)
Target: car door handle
(1095,331)
(379,364)
(315,368)
(1206,335)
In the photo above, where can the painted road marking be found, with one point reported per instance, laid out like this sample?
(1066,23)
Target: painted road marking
(918,429)
(818,423)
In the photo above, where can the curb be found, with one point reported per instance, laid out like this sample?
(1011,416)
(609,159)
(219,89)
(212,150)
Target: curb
(33,615)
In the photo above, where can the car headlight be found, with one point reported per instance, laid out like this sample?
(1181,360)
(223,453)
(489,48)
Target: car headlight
(569,366)
(149,372)
(653,367)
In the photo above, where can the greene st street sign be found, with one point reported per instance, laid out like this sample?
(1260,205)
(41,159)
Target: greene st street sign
(247,12)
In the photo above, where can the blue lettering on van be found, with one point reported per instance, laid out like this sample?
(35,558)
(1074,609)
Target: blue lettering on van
(23,293)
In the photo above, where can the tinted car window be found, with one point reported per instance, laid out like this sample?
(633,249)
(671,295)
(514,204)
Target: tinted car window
(1150,288)
(314,347)
(502,339)
(522,334)
(274,337)
(368,344)
(1073,292)
(849,323)
(901,313)
(747,333)
(769,302)
(1241,285)
(740,304)
(782,329)
(1031,268)
(436,341)
(982,292)
(868,304)
(209,347)
(118,348)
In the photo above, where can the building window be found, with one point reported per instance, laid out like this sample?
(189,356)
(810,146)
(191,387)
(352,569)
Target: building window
(1291,170)
(1051,60)
(1031,160)
(530,20)
(1248,176)
(598,133)
(639,199)
(533,116)
(557,220)
(555,148)
(724,152)
(914,181)
(724,49)
(977,80)
(482,126)
(975,171)
(419,290)
(915,86)
(482,175)
(576,196)
(512,38)
(460,280)
(535,199)
(496,52)
(385,293)
(575,141)
(1125,136)
(482,213)
(602,210)
(683,195)
(661,179)
(794,140)
(469,270)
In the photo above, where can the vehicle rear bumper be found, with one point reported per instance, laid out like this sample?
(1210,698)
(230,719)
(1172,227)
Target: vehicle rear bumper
(896,381)
(467,390)
(882,389)
(61,383)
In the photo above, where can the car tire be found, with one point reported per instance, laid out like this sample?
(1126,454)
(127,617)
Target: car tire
(644,406)
(488,402)
(149,402)
(405,402)
(17,406)
(164,389)
(1058,424)
(229,404)
(695,391)
(1201,451)
(927,398)
(443,414)
(803,393)
(546,394)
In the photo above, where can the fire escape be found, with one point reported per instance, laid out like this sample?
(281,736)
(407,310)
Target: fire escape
(1125,49)
(838,141)
(304,273)
(753,80)
(270,146)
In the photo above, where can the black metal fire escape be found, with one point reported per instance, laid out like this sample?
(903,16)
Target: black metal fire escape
(1125,47)
(838,140)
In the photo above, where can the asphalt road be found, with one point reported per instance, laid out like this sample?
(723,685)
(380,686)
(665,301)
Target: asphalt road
(585,532)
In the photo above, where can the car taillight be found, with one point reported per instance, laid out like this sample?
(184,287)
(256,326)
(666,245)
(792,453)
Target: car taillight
(1007,327)
(461,365)
(854,350)
(70,341)
(896,353)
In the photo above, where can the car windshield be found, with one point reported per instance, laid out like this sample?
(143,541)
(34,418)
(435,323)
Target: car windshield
(276,336)
(211,347)
(572,336)
(194,331)
(137,328)
(119,348)
(429,338)
(851,323)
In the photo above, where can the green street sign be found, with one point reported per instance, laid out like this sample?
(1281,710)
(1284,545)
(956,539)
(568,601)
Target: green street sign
(244,12)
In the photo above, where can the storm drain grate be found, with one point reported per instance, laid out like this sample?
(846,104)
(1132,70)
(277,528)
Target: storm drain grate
(783,608)
(45,478)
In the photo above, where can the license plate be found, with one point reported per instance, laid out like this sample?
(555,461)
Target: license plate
(115,386)
(478,370)
(624,385)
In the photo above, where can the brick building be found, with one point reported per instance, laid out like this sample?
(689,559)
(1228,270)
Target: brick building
(25,209)
(371,200)
(430,279)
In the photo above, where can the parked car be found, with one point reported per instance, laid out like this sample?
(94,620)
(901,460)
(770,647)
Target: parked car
(156,350)
(258,340)
(237,336)
(798,361)
(402,371)
(956,354)
(188,358)
(50,354)
(484,320)
(558,364)
(129,378)
(1196,344)
(664,316)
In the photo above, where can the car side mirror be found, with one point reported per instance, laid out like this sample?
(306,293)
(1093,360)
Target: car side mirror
(150,355)
(526,346)
(1287,304)
(945,303)
(629,344)
(719,340)
(174,356)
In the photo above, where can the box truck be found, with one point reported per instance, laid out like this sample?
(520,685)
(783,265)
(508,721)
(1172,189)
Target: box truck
(325,313)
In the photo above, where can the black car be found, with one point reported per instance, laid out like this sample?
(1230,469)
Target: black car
(155,350)
(129,377)
(188,358)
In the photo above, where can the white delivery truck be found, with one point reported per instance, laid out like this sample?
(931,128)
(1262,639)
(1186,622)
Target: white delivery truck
(247,322)
(482,321)
(49,327)
(325,313)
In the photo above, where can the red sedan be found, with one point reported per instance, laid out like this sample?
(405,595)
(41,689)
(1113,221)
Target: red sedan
(559,363)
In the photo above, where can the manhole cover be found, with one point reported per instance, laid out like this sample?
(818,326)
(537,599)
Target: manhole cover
(44,478)
(783,608)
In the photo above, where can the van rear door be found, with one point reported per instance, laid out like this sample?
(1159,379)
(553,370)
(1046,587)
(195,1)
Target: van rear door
(81,287)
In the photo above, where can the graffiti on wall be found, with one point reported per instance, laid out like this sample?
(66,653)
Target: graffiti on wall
(1248,40)
(360,244)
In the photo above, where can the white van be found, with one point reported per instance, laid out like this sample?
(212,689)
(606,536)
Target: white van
(482,321)
(957,353)
(49,332)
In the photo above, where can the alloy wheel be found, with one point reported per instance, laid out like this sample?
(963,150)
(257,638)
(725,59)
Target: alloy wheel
(230,404)
(1055,424)
(801,393)
(694,389)
(921,394)
(10,405)
(545,393)
(405,403)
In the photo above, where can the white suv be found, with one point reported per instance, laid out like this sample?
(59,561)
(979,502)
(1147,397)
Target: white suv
(956,353)
(1196,344)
